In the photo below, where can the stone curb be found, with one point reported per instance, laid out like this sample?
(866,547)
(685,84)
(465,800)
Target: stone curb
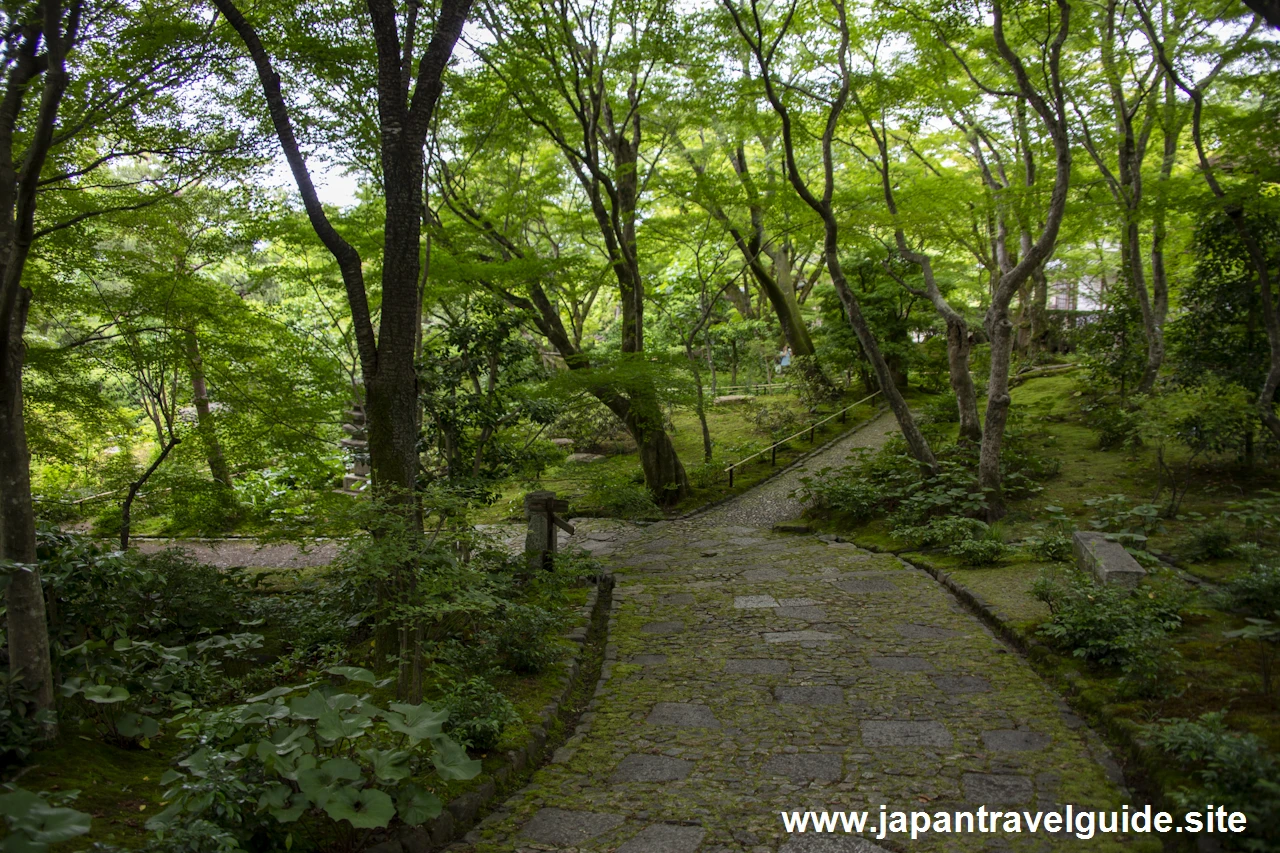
(460,814)
(779,471)
(1144,768)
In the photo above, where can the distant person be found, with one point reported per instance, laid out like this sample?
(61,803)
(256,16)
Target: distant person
(784,359)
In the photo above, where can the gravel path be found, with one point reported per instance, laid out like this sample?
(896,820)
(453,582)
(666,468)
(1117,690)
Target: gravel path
(750,672)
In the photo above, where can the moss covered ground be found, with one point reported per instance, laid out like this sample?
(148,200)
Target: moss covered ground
(1212,672)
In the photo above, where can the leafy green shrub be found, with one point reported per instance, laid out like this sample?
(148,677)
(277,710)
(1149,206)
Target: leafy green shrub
(125,687)
(1202,421)
(1265,634)
(316,751)
(616,496)
(1234,770)
(478,713)
(942,531)
(525,640)
(1207,542)
(1258,515)
(942,409)
(1054,548)
(1115,424)
(180,597)
(20,723)
(200,505)
(1110,627)
(978,552)
(707,475)
(1256,592)
(1130,526)
(35,822)
(775,420)
(593,428)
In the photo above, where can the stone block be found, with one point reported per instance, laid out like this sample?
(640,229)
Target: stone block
(813,696)
(806,614)
(1014,740)
(651,768)
(799,637)
(997,789)
(757,666)
(663,628)
(1107,561)
(961,684)
(754,602)
(682,714)
(905,733)
(902,663)
(562,828)
(665,838)
(803,767)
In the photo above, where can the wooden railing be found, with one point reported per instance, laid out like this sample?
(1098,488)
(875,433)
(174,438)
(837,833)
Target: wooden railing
(772,449)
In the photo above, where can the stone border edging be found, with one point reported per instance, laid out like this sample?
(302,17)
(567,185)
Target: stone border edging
(460,814)
(1119,730)
(880,410)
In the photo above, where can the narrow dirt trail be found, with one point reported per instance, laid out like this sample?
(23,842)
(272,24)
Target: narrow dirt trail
(750,673)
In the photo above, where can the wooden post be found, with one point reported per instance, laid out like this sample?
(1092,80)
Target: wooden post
(540,541)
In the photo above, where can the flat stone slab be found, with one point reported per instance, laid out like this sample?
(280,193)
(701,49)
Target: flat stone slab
(799,637)
(648,660)
(682,714)
(651,768)
(797,602)
(757,575)
(1014,740)
(997,788)
(817,766)
(1107,561)
(905,733)
(902,664)
(584,457)
(808,614)
(676,598)
(665,838)
(757,666)
(753,602)
(806,843)
(863,585)
(561,828)
(663,628)
(961,684)
(926,632)
(814,696)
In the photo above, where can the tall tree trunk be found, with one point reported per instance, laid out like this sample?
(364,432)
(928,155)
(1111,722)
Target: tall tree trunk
(961,380)
(204,415)
(29,660)
(39,44)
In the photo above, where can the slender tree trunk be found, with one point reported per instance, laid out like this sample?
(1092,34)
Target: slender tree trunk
(1000,330)
(961,380)
(204,415)
(126,508)
(29,659)
(701,404)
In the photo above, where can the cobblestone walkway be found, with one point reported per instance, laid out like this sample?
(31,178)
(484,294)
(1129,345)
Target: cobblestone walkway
(750,672)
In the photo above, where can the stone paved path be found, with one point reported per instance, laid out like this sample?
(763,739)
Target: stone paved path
(750,672)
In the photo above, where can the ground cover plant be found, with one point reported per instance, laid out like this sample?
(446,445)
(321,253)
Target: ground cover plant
(1189,654)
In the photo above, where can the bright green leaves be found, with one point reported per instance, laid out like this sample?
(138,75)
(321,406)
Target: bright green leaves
(363,809)
(288,753)
(418,722)
(451,760)
(34,823)
(416,806)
